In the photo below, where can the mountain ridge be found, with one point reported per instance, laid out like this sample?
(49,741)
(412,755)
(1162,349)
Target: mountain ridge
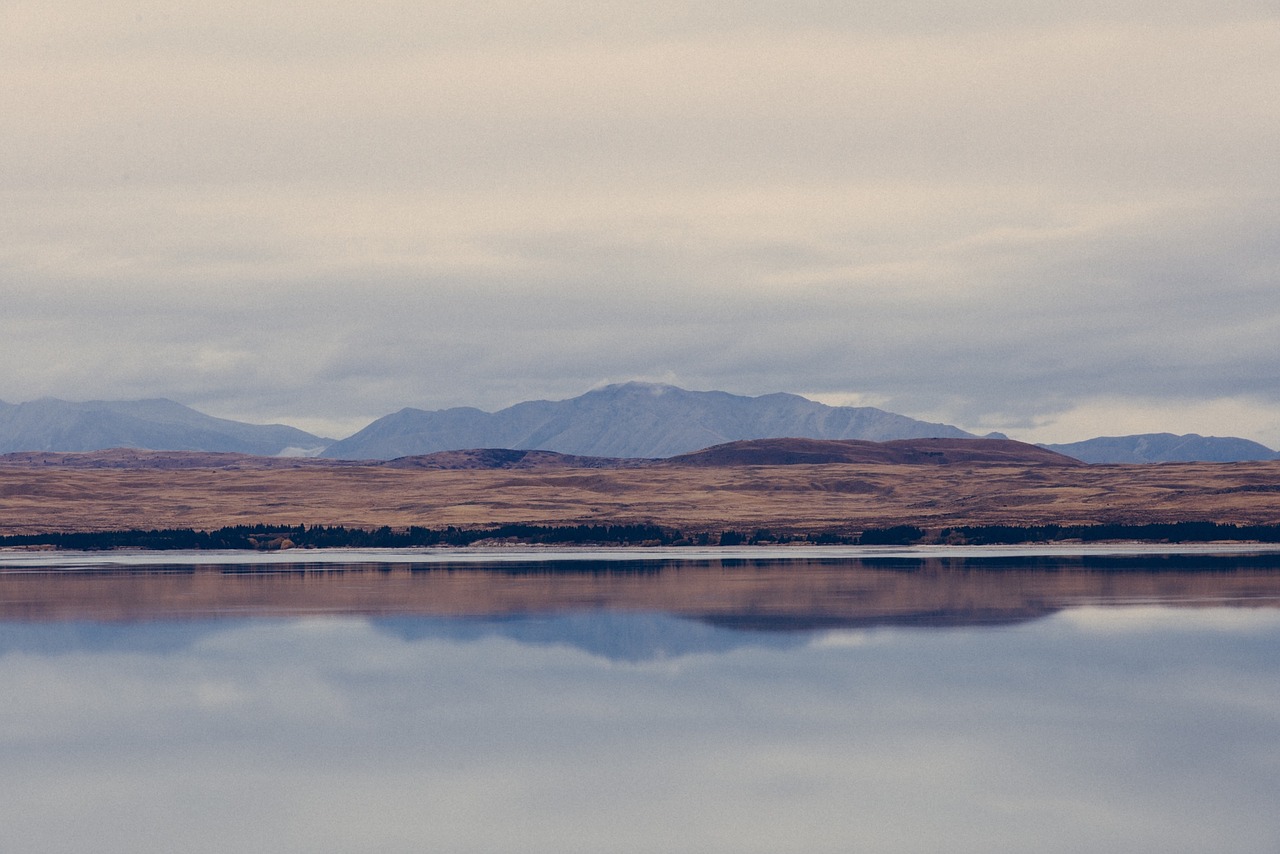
(641,420)
(160,424)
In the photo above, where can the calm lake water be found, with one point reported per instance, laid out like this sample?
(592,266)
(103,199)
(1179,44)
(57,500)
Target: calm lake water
(641,702)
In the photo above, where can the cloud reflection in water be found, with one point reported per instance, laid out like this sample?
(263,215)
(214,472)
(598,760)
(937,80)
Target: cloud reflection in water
(1073,733)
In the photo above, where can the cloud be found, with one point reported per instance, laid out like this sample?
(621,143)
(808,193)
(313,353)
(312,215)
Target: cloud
(321,211)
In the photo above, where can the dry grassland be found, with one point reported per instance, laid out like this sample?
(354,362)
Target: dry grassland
(791,498)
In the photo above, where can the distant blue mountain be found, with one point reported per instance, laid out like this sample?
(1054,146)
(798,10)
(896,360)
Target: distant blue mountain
(49,424)
(1165,448)
(630,420)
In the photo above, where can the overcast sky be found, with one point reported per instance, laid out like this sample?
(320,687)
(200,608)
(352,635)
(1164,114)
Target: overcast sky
(1054,219)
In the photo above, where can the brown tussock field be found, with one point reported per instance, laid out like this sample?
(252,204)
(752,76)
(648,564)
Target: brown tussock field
(42,497)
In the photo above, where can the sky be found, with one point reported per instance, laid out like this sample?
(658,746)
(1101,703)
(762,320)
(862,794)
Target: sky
(1053,220)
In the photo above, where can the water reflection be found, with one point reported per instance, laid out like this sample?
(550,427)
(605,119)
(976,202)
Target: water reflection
(791,594)
(582,714)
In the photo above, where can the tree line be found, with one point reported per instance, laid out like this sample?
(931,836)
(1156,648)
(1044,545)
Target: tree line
(271,537)
(1170,532)
(263,537)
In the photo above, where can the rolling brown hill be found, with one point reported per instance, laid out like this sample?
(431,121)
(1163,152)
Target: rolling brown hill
(504,458)
(782,452)
(140,490)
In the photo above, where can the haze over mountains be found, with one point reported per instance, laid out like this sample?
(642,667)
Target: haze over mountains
(629,420)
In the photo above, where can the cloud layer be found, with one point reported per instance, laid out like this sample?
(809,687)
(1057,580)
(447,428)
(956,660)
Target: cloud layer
(1009,216)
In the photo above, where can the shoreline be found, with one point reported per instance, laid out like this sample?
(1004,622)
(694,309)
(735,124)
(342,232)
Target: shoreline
(16,559)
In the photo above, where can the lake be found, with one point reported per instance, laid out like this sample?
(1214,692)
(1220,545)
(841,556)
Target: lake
(806,700)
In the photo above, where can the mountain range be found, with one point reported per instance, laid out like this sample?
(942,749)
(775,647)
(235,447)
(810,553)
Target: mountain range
(1165,448)
(628,420)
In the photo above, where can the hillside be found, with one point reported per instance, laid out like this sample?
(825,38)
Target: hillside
(504,458)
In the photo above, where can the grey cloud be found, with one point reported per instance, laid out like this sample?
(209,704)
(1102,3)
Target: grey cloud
(808,104)
(334,212)
(1070,319)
